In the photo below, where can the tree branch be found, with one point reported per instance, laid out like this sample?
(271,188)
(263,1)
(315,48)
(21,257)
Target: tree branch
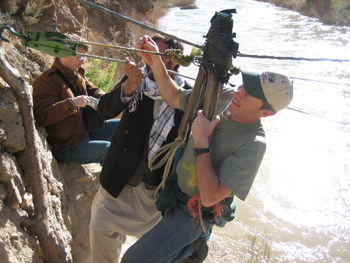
(53,246)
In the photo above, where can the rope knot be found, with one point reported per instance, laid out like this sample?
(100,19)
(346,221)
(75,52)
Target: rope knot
(176,55)
(194,206)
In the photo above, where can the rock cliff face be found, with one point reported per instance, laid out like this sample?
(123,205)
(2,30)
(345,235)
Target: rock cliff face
(66,190)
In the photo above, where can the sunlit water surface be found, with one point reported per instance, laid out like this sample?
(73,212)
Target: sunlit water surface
(300,200)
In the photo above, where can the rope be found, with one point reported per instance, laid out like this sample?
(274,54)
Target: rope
(124,62)
(191,78)
(199,95)
(153,160)
(175,55)
(169,152)
(182,75)
(115,46)
(190,58)
(100,57)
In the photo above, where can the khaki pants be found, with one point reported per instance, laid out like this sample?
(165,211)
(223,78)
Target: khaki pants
(132,213)
(106,246)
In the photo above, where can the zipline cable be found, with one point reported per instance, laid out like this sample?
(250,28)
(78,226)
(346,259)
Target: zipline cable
(191,78)
(321,81)
(316,115)
(188,77)
(292,58)
(151,28)
(125,18)
(124,62)
(100,57)
(114,46)
(184,41)
(133,21)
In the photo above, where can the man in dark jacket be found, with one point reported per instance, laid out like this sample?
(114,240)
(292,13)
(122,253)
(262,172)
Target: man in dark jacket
(125,202)
(59,95)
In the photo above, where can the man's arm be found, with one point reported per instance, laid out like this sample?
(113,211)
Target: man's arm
(49,107)
(114,102)
(169,90)
(134,75)
(210,188)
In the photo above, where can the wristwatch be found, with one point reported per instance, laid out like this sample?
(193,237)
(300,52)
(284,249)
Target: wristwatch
(198,151)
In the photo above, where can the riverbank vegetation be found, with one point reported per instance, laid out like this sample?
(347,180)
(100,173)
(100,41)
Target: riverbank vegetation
(101,73)
(328,11)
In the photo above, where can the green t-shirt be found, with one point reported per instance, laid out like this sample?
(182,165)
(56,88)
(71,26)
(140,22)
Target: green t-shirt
(236,152)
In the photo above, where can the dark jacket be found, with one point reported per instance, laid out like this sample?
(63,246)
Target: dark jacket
(53,108)
(130,142)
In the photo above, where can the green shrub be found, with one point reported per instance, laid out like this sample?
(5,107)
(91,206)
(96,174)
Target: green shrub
(100,72)
(342,11)
(307,4)
(32,11)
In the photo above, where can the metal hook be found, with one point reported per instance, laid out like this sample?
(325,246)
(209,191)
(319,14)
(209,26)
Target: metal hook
(1,37)
(11,30)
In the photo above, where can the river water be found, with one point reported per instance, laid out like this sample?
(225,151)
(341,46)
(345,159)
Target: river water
(299,205)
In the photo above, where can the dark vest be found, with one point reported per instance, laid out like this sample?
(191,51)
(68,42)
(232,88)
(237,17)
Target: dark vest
(129,146)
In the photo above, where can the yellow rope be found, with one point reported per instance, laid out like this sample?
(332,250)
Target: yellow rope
(100,57)
(169,151)
(113,46)
(175,55)
(200,215)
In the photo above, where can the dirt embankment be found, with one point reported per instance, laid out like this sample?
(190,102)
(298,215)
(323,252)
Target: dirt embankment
(65,191)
